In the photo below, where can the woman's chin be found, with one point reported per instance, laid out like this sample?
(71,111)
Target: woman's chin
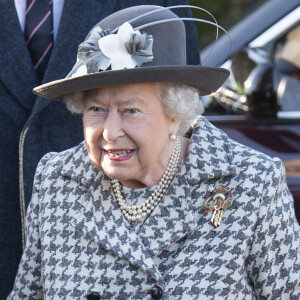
(123,177)
(116,173)
(116,169)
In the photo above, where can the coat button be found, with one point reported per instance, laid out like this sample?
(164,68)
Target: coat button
(93,296)
(156,292)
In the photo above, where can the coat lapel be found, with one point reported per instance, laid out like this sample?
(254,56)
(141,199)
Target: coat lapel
(210,153)
(172,219)
(102,221)
(17,72)
(70,34)
(100,218)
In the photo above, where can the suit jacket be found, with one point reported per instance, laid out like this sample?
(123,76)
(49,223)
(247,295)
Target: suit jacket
(79,242)
(31,126)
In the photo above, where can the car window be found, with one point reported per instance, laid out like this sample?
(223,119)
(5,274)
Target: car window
(287,61)
(264,81)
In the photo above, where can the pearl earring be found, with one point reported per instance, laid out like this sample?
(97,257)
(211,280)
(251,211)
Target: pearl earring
(172,136)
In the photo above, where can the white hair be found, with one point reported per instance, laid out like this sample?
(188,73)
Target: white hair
(74,102)
(181,102)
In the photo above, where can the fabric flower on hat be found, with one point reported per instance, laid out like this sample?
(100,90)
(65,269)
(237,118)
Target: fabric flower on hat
(125,50)
(90,54)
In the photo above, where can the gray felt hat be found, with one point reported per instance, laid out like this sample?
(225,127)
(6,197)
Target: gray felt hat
(140,44)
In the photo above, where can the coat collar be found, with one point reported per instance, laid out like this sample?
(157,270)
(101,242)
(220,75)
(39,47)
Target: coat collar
(210,153)
(100,219)
(16,67)
(78,166)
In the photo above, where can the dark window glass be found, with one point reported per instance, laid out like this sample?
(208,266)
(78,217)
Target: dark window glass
(287,61)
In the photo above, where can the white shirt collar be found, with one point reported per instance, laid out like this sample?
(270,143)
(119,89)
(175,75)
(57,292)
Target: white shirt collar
(57,12)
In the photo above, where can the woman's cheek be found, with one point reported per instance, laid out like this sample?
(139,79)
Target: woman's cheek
(93,144)
(89,134)
(92,126)
(92,136)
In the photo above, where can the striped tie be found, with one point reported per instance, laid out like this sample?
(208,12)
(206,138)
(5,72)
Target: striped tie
(39,33)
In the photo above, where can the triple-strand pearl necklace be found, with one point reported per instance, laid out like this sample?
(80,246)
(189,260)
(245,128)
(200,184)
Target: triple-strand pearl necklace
(137,212)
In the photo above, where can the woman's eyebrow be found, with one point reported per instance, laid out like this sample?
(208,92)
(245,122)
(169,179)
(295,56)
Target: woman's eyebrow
(97,99)
(130,101)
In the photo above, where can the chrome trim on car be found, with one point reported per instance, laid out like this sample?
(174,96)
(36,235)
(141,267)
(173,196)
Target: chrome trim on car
(288,115)
(277,29)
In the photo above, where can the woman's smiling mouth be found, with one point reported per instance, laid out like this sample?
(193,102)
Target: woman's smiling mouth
(118,154)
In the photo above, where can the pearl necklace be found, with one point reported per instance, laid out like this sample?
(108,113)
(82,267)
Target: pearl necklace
(137,212)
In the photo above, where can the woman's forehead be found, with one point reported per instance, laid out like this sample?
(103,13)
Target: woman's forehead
(122,92)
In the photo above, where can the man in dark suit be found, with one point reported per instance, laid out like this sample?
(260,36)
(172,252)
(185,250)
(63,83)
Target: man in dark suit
(31,126)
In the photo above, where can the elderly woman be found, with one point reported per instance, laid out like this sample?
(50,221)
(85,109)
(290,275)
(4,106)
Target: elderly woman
(145,208)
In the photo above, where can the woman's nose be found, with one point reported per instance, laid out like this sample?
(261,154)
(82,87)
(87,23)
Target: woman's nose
(113,127)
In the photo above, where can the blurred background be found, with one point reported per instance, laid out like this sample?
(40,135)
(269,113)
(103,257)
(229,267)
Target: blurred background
(226,12)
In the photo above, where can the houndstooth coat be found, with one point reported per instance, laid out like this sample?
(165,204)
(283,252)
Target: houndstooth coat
(78,241)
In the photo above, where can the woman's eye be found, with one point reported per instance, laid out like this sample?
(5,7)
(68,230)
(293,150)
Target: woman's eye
(132,110)
(96,109)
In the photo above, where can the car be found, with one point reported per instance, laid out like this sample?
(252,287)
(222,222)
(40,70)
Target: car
(259,104)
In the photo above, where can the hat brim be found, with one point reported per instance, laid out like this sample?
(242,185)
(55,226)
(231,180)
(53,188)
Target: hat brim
(206,79)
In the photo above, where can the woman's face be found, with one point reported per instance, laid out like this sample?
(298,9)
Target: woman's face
(127,133)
